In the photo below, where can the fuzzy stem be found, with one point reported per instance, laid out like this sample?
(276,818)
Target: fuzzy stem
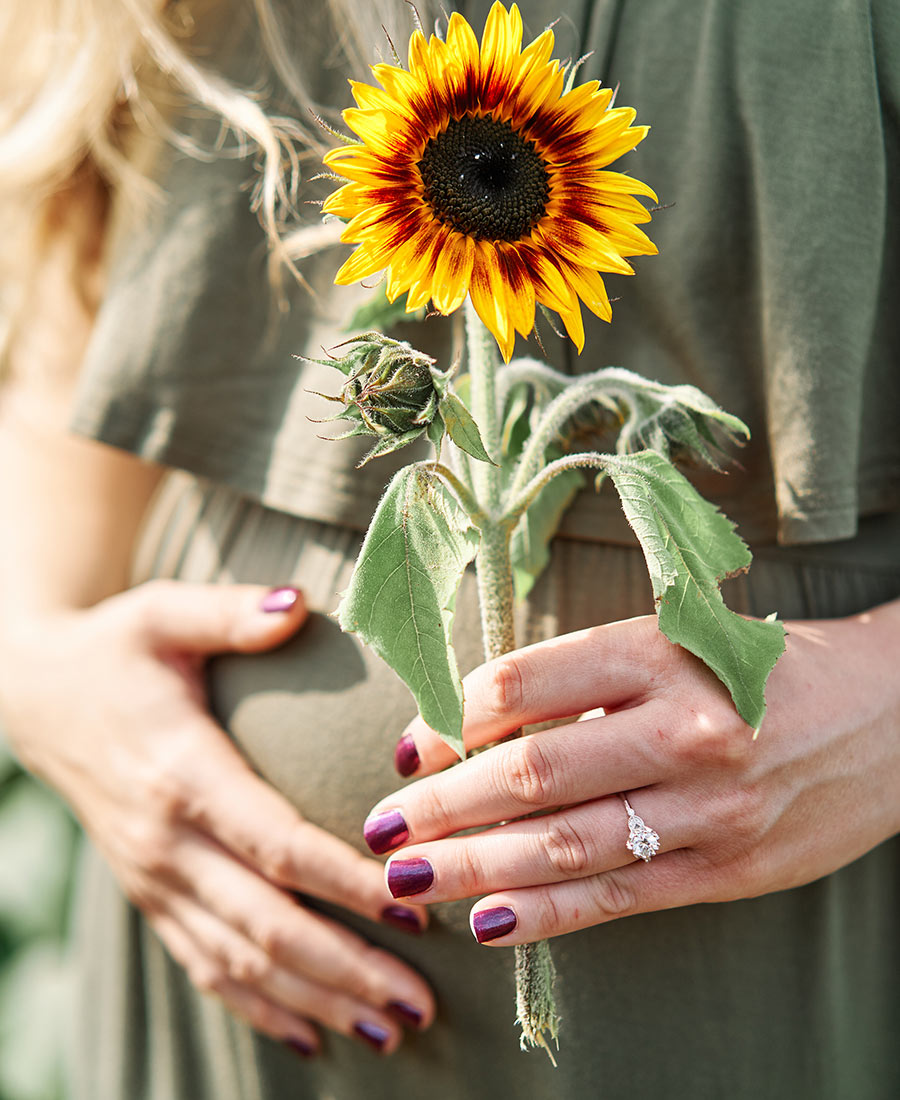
(535,973)
(464,496)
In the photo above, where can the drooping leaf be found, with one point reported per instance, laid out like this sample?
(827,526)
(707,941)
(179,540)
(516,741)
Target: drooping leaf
(402,593)
(530,543)
(379,313)
(462,428)
(689,547)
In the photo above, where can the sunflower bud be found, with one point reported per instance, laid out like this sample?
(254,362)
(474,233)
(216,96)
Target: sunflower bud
(392,392)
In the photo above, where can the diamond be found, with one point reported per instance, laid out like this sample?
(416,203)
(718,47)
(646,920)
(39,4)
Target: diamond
(642,841)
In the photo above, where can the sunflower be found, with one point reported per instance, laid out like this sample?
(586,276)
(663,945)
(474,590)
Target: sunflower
(477,172)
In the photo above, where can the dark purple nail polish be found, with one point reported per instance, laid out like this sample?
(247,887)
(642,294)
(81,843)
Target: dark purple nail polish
(298,1046)
(385,831)
(406,877)
(401,917)
(405,1013)
(406,757)
(280,599)
(490,924)
(373,1034)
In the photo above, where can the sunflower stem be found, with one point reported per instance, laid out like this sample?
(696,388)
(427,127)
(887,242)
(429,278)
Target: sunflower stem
(535,973)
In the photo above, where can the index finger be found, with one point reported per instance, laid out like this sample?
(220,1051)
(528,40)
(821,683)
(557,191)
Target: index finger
(604,666)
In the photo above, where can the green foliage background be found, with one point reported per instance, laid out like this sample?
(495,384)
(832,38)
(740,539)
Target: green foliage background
(38,840)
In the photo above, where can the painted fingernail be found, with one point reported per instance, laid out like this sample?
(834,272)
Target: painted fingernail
(401,917)
(406,756)
(405,1013)
(298,1046)
(406,877)
(280,599)
(490,924)
(373,1034)
(385,831)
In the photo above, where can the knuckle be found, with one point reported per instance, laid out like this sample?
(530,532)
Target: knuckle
(468,871)
(249,968)
(711,738)
(167,791)
(152,849)
(143,892)
(613,896)
(437,810)
(207,976)
(262,1016)
(276,860)
(528,773)
(506,687)
(565,849)
(548,915)
(273,938)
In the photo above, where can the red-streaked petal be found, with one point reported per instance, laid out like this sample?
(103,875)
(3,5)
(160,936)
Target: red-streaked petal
(518,288)
(500,45)
(579,244)
(489,298)
(453,273)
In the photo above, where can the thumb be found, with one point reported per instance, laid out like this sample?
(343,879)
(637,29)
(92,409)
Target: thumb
(214,618)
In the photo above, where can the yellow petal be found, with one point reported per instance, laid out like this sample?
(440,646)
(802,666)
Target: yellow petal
(518,289)
(623,144)
(461,41)
(580,244)
(382,131)
(453,273)
(500,46)
(365,261)
(590,288)
(489,298)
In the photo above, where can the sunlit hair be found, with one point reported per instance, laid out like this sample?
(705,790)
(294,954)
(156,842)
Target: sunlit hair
(79,77)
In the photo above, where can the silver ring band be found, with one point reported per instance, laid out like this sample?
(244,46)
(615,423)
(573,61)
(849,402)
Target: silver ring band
(642,841)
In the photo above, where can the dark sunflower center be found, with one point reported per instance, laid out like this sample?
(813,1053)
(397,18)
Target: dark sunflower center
(484,179)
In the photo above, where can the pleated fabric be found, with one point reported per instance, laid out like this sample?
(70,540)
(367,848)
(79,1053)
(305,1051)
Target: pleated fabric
(788,995)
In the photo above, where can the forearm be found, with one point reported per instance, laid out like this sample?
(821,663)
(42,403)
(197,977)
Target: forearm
(71,510)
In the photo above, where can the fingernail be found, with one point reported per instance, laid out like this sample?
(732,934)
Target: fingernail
(406,877)
(298,1046)
(372,1034)
(385,831)
(405,1013)
(406,757)
(401,917)
(280,599)
(490,924)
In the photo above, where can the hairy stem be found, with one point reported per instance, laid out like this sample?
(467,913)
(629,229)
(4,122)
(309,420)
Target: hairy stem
(535,973)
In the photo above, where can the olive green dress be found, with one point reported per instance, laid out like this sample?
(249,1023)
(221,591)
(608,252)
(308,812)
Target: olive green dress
(775,140)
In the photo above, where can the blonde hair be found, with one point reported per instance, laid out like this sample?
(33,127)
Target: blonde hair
(78,76)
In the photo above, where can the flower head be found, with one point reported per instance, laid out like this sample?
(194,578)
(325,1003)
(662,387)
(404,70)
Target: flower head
(478,172)
(392,391)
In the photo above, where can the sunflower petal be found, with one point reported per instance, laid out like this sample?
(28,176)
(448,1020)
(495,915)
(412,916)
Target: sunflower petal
(580,244)
(489,296)
(410,217)
(590,288)
(453,273)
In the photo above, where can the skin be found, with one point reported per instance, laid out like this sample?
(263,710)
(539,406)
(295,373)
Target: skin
(95,672)
(737,817)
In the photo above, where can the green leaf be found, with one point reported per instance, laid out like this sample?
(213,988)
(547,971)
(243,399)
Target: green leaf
(690,547)
(462,428)
(530,544)
(402,593)
(379,313)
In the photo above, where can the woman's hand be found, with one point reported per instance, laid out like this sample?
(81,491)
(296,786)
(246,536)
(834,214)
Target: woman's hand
(736,817)
(108,706)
